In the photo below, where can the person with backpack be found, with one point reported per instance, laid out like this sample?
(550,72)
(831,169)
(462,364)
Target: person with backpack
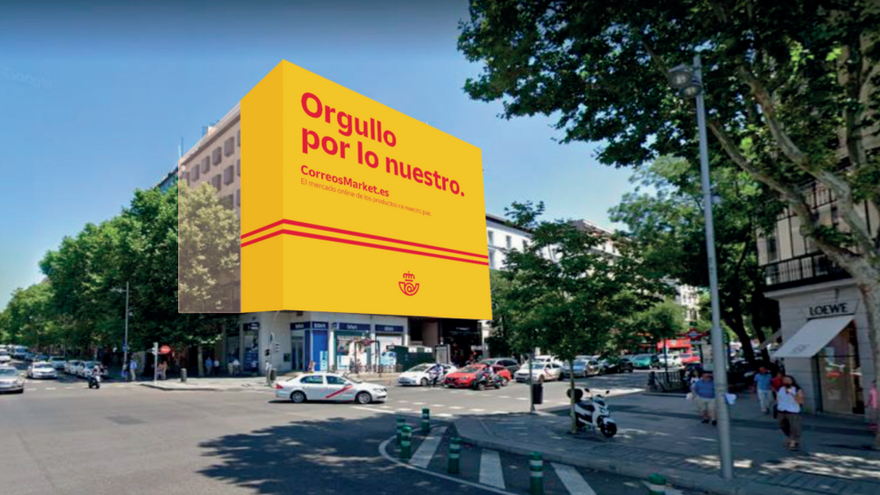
(789,402)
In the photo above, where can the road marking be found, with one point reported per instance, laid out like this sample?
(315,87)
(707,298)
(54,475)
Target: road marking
(403,409)
(522,398)
(419,403)
(51,388)
(572,479)
(499,412)
(428,448)
(478,410)
(438,405)
(490,469)
(503,396)
(403,401)
(69,388)
(364,408)
(455,407)
(444,415)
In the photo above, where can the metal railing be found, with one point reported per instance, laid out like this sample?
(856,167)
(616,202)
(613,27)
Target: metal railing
(809,268)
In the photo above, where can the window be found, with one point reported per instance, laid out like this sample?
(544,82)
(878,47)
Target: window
(196,173)
(239,138)
(229,175)
(491,238)
(229,146)
(186,177)
(238,167)
(335,380)
(492,259)
(226,201)
(206,164)
(217,155)
(525,244)
(312,379)
(216,182)
(508,241)
(238,197)
(772,252)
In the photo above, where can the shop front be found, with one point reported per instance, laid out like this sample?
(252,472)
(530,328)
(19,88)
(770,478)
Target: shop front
(388,336)
(826,350)
(251,355)
(464,339)
(308,340)
(351,344)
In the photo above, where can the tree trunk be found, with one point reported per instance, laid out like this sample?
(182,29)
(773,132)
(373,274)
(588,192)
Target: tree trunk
(201,363)
(571,401)
(871,295)
(735,322)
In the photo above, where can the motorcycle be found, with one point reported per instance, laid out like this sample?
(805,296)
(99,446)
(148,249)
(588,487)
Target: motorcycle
(94,382)
(482,382)
(593,414)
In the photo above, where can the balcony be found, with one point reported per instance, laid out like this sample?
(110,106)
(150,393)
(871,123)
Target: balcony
(803,270)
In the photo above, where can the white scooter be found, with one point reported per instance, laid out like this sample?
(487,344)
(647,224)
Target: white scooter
(592,413)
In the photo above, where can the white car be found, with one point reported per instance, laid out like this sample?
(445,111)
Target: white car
(70,366)
(84,370)
(544,371)
(329,387)
(41,369)
(4,357)
(11,380)
(674,360)
(418,375)
(57,363)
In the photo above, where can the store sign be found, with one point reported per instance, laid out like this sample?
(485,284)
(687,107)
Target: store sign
(833,309)
(301,326)
(352,327)
(389,328)
(379,212)
(254,326)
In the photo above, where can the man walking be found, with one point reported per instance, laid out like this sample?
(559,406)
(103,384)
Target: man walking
(764,389)
(132,369)
(209,366)
(704,396)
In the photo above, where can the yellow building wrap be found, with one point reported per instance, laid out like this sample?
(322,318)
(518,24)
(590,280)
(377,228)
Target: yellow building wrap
(350,206)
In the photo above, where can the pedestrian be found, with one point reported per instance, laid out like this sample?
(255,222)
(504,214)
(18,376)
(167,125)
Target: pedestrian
(209,366)
(764,389)
(132,369)
(163,370)
(789,400)
(704,397)
(776,384)
(236,367)
(217,366)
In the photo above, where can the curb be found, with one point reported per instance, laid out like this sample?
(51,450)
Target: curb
(677,477)
(166,388)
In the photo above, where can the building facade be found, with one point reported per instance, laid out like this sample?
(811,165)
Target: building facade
(824,330)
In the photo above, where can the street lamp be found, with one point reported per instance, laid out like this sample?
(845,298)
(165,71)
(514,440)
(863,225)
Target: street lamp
(689,83)
(125,340)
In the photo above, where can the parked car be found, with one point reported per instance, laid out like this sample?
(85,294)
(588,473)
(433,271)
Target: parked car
(29,357)
(71,366)
(673,360)
(85,369)
(580,369)
(614,364)
(11,380)
(465,377)
(645,361)
(328,387)
(41,369)
(509,363)
(540,372)
(41,357)
(19,352)
(418,375)
(689,358)
(4,357)
(57,363)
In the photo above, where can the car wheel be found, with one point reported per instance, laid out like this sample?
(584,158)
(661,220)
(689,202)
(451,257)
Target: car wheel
(364,398)
(424,382)
(298,397)
(20,391)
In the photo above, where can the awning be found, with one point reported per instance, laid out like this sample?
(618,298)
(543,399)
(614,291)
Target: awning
(812,337)
(770,340)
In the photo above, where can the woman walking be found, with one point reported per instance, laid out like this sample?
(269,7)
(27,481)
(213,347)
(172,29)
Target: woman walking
(789,400)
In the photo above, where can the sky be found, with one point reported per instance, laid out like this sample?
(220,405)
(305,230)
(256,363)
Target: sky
(96,96)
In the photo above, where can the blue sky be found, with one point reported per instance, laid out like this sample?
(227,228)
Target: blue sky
(94,99)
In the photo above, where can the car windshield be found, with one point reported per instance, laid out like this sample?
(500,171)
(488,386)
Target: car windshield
(42,365)
(7,372)
(421,367)
(471,369)
(538,366)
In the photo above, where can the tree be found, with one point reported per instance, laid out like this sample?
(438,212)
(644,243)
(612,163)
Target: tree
(28,317)
(662,321)
(570,302)
(791,88)
(665,216)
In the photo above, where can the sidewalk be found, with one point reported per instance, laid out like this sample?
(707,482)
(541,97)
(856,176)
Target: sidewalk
(664,435)
(238,384)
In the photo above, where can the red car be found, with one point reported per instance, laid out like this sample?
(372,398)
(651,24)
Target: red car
(687,359)
(464,378)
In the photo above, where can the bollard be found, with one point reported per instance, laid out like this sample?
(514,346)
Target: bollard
(536,472)
(183,375)
(454,455)
(406,444)
(656,485)
(426,421)
(401,422)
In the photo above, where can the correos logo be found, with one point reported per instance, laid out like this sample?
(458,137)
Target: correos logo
(407,286)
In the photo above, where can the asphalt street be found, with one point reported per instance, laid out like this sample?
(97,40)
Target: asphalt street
(59,437)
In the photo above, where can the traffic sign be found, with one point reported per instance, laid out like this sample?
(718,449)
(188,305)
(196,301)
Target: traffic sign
(165,350)
(694,334)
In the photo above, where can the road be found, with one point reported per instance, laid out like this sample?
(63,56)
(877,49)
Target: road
(60,437)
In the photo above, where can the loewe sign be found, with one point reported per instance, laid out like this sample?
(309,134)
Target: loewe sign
(836,309)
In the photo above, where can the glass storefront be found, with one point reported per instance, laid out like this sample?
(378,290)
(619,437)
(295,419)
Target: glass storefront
(840,378)
(251,362)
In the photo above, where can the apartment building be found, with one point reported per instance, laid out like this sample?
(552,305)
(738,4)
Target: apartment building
(824,328)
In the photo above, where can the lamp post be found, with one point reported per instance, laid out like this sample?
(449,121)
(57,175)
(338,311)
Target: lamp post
(125,339)
(689,83)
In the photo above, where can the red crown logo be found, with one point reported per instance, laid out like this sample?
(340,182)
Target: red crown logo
(407,286)
(409,276)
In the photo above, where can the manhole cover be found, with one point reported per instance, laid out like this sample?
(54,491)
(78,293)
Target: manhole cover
(125,420)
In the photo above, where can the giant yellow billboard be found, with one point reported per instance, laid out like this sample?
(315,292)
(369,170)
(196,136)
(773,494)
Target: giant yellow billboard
(350,206)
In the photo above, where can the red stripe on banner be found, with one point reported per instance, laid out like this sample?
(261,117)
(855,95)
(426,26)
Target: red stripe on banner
(358,243)
(359,234)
